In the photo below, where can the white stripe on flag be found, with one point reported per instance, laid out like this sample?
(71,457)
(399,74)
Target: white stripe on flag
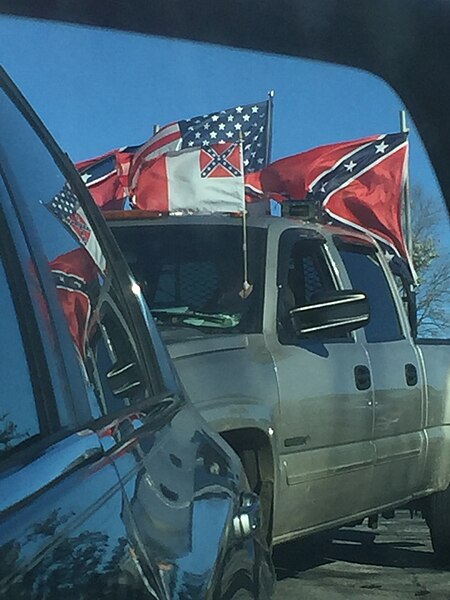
(189,192)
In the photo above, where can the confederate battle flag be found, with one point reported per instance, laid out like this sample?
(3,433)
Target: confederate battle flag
(359,183)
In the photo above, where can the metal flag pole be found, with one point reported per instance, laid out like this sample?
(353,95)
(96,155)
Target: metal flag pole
(406,197)
(409,289)
(268,156)
(247,288)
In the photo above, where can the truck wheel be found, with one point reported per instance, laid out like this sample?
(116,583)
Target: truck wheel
(438,520)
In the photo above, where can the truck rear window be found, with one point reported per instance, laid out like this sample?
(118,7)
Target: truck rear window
(193,274)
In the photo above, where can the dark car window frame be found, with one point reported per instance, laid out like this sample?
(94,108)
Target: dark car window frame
(32,344)
(43,375)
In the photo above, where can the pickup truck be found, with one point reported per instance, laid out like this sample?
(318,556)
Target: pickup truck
(311,372)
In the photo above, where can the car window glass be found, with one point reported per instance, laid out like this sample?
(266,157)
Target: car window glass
(83,281)
(366,275)
(18,415)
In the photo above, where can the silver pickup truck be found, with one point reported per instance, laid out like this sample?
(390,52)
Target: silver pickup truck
(311,373)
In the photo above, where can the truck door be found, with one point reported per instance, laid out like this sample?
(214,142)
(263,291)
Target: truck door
(397,378)
(325,398)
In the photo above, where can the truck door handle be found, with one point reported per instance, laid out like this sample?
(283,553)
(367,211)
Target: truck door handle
(362,377)
(410,374)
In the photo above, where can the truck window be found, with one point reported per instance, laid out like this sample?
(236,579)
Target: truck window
(303,273)
(367,275)
(192,275)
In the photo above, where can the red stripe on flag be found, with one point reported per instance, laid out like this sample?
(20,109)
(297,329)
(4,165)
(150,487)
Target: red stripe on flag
(160,143)
(152,192)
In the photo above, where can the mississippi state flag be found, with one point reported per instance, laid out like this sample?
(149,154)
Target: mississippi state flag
(359,183)
(194,180)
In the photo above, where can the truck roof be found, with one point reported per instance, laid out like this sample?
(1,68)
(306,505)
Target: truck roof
(278,224)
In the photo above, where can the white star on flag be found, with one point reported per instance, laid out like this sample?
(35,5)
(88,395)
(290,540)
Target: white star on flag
(381,148)
(350,166)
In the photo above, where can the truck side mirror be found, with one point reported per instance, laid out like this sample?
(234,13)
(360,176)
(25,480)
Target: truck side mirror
(336,312)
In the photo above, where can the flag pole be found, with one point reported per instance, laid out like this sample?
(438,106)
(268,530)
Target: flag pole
(268,156)
(246,286)
(409,289)
(406,197)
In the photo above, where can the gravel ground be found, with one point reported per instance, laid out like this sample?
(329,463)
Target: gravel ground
(393,561)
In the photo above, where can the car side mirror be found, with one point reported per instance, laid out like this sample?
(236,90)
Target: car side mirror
(336,312)
(124,379)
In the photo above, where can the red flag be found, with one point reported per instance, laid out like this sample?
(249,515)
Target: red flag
(358,183)
(106,177)
(75,274)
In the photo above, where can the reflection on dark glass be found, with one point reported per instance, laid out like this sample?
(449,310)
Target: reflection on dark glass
(84,286)
(18,416)
(95,561)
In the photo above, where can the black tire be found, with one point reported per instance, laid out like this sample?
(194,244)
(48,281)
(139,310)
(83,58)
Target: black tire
(241,588)
(438,520)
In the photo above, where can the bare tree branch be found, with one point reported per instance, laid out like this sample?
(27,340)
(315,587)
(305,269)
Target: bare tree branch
(432,266)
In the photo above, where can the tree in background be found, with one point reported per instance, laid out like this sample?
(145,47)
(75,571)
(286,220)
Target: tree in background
(429,226)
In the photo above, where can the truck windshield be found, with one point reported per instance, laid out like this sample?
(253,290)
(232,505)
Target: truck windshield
(192,275)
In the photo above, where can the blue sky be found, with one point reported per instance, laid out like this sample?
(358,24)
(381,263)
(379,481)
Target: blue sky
(96,90)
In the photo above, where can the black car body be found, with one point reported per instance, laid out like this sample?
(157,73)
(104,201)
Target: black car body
(111,484)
